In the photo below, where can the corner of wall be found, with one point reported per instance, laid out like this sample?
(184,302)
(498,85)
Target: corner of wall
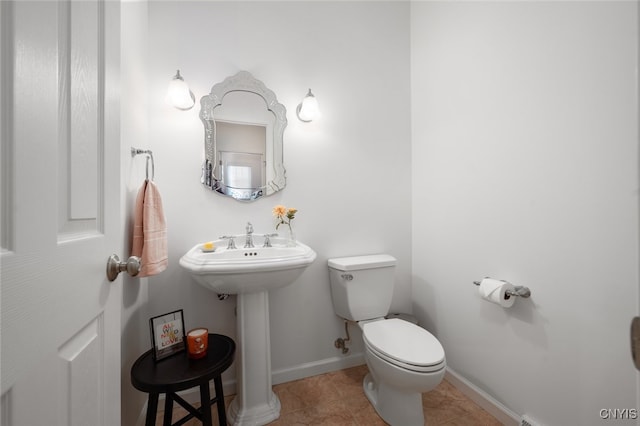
(134,132)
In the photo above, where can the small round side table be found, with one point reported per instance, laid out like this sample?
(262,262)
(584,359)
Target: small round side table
(179,372)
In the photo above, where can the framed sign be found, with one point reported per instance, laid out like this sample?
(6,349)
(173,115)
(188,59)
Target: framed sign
(167,334)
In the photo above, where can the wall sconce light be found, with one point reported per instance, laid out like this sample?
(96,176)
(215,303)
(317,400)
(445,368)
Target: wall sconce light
(308,109)
(179,95)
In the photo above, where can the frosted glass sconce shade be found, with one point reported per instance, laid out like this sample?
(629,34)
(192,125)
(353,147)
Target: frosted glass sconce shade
(308,109)
(179,95)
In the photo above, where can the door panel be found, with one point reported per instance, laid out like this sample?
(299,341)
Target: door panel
(80,140)
(60,316)
(80,365)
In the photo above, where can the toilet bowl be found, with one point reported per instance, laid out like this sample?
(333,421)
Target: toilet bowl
(404,359)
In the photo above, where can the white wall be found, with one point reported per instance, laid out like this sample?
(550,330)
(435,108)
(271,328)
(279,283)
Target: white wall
(348,174)
(525,168)
(134,133)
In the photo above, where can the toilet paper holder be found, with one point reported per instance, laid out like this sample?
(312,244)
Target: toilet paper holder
(518,290)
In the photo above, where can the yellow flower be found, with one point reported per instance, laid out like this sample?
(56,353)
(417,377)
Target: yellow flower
(279,210)
(291,213)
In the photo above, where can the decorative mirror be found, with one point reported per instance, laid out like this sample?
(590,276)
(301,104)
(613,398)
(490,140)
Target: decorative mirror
(243,130)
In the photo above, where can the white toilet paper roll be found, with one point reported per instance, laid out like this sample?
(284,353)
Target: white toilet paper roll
(495,291)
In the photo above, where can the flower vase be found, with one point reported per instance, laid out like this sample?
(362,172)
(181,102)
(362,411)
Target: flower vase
(291,240)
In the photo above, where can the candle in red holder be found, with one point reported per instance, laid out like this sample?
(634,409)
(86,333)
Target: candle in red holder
(197,342)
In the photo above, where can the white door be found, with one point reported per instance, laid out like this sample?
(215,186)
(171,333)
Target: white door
(60,195)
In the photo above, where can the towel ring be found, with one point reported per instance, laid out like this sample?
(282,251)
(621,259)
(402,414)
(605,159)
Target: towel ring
(153,168)
(149,154)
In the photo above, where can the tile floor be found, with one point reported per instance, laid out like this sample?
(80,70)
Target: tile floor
(337,398)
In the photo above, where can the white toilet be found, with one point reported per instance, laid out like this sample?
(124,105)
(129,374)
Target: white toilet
(404,359)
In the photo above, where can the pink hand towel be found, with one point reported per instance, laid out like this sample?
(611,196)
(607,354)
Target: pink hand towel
(150,231)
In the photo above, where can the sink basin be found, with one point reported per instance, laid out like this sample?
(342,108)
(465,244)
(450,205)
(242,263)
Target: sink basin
(247,270)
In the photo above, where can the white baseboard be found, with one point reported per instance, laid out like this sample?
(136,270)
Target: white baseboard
(484,400)
(322,366)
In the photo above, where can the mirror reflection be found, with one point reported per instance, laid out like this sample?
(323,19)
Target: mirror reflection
(244,126)
(242,150)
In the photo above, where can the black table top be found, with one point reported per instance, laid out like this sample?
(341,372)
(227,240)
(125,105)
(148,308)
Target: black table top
(179,372)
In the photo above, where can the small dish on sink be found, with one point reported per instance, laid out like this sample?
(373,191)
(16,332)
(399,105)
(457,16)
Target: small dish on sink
(208,247)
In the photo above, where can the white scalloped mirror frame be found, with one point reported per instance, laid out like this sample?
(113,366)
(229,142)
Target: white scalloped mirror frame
(212,177)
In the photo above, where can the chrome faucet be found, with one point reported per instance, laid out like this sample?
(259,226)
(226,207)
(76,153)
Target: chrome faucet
(248,243)
(231,245)
(267,239)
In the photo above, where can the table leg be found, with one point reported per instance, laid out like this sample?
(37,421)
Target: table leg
(152,409)
(168,409)
(222,415)
(205,404)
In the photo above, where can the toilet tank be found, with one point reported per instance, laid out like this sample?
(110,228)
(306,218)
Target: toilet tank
(362,286)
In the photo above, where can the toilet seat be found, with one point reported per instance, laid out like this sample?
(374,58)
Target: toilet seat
(404,344)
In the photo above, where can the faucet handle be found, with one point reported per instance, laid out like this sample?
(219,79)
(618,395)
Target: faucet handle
(232,242)
(249,228)
(267,241)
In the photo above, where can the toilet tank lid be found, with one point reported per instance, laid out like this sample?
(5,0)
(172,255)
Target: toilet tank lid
(355,263)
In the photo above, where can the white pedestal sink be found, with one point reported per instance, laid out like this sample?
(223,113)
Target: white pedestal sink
(250,273)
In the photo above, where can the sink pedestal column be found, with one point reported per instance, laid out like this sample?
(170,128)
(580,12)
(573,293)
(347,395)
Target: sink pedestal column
(255,403)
